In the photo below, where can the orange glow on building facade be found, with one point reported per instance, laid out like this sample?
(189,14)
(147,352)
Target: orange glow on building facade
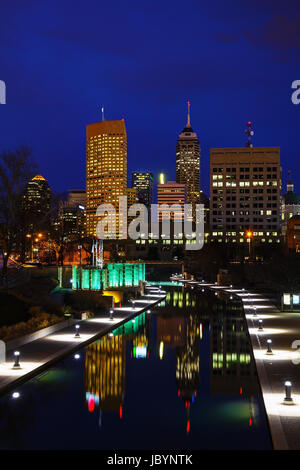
(106,168)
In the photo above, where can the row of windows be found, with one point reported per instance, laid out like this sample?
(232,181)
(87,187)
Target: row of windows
(245,169)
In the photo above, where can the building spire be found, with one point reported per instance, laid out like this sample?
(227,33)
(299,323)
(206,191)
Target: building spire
(189,114)
(102,111)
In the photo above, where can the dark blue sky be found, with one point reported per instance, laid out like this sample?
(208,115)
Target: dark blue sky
(234,60)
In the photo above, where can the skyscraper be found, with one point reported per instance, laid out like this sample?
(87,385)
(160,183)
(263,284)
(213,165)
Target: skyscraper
(188,161)
(106,168)
(245,185)
(143,182)
(36,204)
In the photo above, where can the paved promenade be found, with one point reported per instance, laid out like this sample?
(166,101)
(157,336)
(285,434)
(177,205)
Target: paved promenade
(39,354)
(283,328)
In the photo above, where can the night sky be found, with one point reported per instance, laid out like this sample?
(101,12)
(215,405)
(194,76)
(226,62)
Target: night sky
(142,60)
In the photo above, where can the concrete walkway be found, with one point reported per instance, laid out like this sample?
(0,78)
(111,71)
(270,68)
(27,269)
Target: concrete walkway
(39,354)
(283,329)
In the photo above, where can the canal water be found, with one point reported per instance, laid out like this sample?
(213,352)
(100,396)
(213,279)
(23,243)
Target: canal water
(182,377)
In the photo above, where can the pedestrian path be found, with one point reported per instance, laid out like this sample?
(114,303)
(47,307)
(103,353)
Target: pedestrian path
(38,354)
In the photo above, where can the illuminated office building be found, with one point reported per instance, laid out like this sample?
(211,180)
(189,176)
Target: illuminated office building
(36,204)
(171,193)
(143,182)
(106,168)
(77,197)
(245,185)
(188,161)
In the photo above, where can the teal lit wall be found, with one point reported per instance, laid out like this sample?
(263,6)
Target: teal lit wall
(114,275)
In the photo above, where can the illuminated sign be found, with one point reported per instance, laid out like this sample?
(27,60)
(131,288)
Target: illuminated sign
(286,299)
(296,299)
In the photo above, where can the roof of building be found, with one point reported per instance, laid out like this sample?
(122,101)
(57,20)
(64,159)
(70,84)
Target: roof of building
(291,199)
(39,177)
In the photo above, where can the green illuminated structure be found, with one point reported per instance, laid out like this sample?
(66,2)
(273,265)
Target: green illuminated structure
(113,275)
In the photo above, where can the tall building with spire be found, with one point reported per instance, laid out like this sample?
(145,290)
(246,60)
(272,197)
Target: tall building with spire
(290,205)
(188,161)
(106,169)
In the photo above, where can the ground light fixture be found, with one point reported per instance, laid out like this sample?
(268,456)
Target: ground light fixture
(260,324)
(288,393)
(254,312)
(269,350)
(17,360)
(111,313)
(77,335)
(133,303)
(231,297)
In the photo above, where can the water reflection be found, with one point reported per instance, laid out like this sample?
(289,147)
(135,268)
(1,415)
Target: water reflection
(186,371)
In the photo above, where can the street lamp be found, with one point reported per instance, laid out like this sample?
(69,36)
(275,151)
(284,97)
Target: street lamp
(77,335)
(249,236)
(254,312)
(269,350)
(260,324)
(111,314)
(17,360)
(288,393)
(133,304)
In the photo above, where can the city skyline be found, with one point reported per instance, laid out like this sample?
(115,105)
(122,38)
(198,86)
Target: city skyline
(149,85)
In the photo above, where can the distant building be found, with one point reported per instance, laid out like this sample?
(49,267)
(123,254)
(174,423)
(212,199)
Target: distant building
(70,223)
(188,161)
(77,197)
(171,193)
(36,204)
(131,199)
(245,185)
(106,168)
(293,233)
(290,206)
(143,182)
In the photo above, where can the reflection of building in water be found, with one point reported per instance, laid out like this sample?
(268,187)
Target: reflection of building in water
(140,341)
(171,330)
(188,365)
(105,362)
(105,373)
(180,299)
(230,352)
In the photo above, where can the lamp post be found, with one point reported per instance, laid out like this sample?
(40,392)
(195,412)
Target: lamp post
(77,335)
(249,237)
(111,312)
(288,393)
(17,360)
(260,325)
(254,312)
(269,350)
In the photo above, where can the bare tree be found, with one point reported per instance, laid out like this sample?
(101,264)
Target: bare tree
(16,169)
